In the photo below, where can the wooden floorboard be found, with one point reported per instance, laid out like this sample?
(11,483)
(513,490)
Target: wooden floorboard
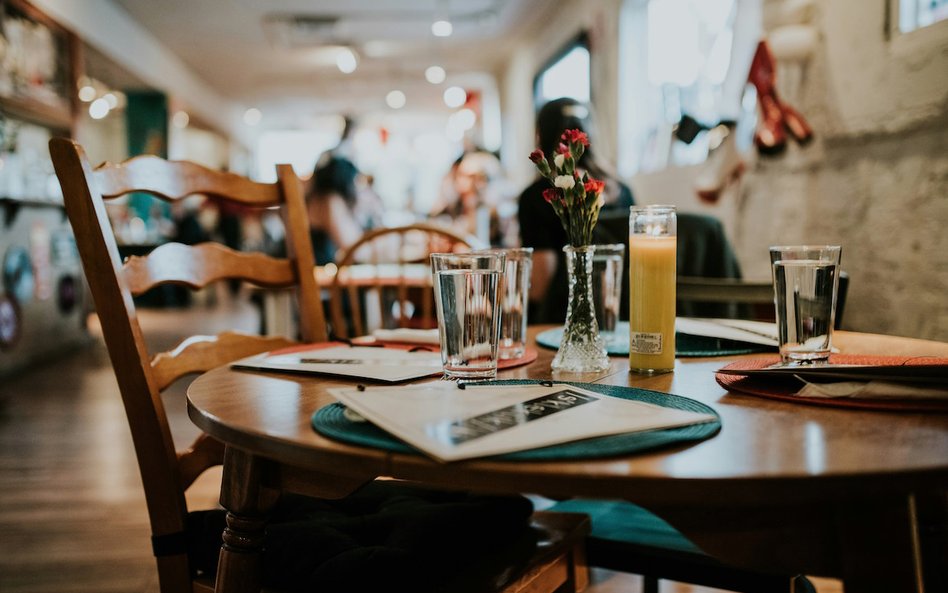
(72,511)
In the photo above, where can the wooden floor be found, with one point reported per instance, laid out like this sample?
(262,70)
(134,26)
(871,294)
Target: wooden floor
(72,512)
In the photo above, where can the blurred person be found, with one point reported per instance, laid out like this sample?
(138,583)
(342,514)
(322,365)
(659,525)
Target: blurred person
(472,197)
(540,227)
(338,212)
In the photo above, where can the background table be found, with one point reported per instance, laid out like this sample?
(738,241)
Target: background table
(783,486)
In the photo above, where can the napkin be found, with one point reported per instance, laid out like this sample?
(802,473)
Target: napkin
(872,389)
(407,335)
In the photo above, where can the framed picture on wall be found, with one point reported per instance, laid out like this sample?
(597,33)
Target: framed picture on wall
(36,65)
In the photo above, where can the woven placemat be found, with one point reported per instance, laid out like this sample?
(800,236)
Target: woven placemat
(785,389)
(686,345)
(330,421)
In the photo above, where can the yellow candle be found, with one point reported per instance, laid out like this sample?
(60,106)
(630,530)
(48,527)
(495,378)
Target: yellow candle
(652,303)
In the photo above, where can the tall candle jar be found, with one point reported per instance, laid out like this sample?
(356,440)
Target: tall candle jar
(652,266)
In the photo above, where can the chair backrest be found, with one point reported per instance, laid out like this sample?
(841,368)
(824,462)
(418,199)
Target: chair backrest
(384,278)
(166,473)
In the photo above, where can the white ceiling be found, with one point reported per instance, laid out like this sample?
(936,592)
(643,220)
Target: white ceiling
(244,50)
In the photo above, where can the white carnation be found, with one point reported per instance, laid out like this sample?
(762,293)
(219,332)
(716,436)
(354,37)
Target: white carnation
(564,182)
(558,160)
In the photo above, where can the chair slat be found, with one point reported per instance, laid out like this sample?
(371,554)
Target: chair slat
(202,353)
(203,454)
(174,180)
(199,265)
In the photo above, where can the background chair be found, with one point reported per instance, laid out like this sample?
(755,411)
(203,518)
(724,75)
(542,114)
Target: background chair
(167,473)
(383,280)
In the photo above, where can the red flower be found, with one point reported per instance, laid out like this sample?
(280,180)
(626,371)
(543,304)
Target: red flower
(562,149)
(537,155)
(594,186)
(550,194)
(576,136)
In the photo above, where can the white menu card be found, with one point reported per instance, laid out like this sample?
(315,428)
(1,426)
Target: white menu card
(450,423)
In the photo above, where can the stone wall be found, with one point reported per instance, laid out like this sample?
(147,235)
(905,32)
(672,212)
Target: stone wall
(875,180)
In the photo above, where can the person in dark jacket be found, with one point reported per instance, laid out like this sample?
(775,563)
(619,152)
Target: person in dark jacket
(540,228)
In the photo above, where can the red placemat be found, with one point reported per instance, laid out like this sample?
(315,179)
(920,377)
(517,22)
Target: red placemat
(785,389)
(529,355)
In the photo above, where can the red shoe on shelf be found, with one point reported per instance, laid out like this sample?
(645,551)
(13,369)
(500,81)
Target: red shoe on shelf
(775,117)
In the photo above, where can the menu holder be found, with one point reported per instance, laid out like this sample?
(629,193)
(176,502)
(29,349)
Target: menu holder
(450,421)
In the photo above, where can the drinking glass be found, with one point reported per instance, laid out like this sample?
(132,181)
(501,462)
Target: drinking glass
(466,287)
(513,301)
(806,279)
(607,271)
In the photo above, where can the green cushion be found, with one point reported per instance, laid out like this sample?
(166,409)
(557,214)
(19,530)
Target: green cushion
(622,521)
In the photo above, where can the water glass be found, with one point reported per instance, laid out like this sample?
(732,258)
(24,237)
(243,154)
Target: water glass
(608,265)
(513,301)
(806,279)
(466,287)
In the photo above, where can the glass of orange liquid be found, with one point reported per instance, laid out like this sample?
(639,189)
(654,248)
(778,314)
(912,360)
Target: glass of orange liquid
(652,266)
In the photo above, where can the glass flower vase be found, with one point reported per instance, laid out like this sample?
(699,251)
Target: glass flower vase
(582,348)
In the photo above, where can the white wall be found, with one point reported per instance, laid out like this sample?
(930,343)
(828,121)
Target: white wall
(874,180)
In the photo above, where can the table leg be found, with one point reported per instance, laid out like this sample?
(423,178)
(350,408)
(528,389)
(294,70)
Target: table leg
(248,504)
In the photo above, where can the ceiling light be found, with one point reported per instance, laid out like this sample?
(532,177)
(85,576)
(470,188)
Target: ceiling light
(99,108)
(346,60)
(180,119)
(442,28)
(454,96)
(252,116)
(465,118)
(111,99)
(435,74)
(395,99)
(87,93)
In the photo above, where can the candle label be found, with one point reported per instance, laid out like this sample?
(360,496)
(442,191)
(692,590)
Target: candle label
(645,343)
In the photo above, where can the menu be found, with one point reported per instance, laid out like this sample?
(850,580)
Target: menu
(451,421)
(361,362)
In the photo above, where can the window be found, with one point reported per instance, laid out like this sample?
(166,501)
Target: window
(684,70)
(567,75)
(915,14)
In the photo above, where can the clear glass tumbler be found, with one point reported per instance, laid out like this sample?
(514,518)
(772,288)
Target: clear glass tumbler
(514,300)
(467,287)
(608,264)
(806,280)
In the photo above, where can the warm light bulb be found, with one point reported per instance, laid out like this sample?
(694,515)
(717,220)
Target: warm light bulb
(346,61)
(252,116)
(99,108)
(87,93)
(454,96)
(395,99)
(435,74)
(442,28)
(180,119)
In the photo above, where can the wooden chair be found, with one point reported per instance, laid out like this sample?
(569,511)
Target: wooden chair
(744,299)
(384,278)
(166,473)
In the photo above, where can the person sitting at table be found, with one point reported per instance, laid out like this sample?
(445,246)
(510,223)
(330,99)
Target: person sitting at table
(339,213)
(541,229)
(474,196)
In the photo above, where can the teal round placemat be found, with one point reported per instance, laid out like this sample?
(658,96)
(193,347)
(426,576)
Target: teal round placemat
(330,421)
(686,345)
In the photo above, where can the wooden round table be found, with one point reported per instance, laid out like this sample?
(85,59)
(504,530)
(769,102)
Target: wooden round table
(783,486)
